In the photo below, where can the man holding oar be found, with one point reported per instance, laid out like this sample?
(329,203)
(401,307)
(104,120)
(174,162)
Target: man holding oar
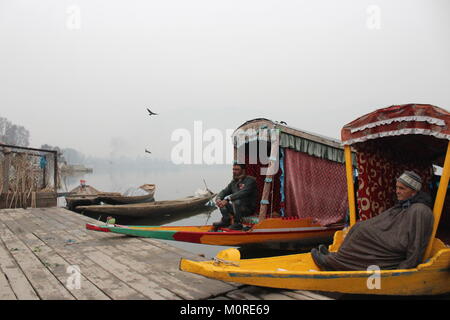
(237,200)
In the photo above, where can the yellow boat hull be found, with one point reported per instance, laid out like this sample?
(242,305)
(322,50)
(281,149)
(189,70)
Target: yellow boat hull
(299,272)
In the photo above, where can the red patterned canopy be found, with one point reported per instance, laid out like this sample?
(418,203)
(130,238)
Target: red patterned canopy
(423,119)
(391,140)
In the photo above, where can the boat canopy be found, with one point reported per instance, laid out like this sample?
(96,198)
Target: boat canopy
(398,120)
(391,140)
(289,137)
(309,180)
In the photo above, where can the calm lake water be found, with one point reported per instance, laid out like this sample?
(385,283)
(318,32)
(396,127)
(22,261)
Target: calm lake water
(170,184)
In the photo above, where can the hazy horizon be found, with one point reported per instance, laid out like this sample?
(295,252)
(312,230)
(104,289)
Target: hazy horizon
(80,74)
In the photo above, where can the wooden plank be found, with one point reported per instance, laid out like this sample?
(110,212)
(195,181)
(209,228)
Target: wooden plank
(6,292)
(258,293)
(165,265)
(72,219)
(60,268)
(275,296)
(137,281)
(150,289)
(46,285)
(242,294)
(74,224)
(313,295)
(52,224)
(105,281)
(270,294)
(261,293)
(296,295)
(56,264)
(19,283)
(119,259)
(165,270)
(131,255)
(70,222)
(163,277)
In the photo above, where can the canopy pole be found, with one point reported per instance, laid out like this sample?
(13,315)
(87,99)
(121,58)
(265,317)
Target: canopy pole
(350,186)
(439,202)
(272,169)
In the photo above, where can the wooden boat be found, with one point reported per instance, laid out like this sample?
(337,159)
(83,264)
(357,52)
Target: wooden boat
(157,208)
(299,272)
(269,230)
(313,220)
(167,218)
(85,195)
(421,130)
(121,199)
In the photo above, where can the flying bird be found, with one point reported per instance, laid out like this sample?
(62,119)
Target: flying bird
(147,151)
(151,113)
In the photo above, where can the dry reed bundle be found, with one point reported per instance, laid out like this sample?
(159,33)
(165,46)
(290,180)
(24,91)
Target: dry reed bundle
(25,178)
(20,181)
(1,174)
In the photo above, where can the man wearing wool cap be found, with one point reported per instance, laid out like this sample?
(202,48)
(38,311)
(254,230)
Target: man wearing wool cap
(395,239)
(411,180)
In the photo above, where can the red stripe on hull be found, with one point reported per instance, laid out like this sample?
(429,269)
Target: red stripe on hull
(96,228)
(193,237)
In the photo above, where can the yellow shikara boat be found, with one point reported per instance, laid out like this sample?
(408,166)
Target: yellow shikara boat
(299,272)
(423,131)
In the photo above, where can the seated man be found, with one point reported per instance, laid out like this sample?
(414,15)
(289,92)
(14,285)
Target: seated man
(237,199)
(395,239)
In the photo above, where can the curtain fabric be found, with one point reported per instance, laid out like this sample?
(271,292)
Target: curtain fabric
(315,188)
(378,170)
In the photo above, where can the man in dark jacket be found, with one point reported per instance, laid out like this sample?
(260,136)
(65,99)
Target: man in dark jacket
(237,199)
(395,239)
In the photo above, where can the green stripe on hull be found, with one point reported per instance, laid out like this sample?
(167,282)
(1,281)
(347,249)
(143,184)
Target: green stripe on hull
(159,234)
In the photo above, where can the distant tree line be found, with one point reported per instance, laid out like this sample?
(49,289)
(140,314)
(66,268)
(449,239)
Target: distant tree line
(13,134)
(19,136)
(75,157)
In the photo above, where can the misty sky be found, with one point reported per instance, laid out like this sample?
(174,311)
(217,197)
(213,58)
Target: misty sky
(316,64)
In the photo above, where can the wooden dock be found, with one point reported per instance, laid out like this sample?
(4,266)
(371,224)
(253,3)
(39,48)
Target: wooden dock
(48,254)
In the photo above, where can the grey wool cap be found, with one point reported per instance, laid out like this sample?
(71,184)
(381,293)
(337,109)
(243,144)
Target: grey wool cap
(411,180)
